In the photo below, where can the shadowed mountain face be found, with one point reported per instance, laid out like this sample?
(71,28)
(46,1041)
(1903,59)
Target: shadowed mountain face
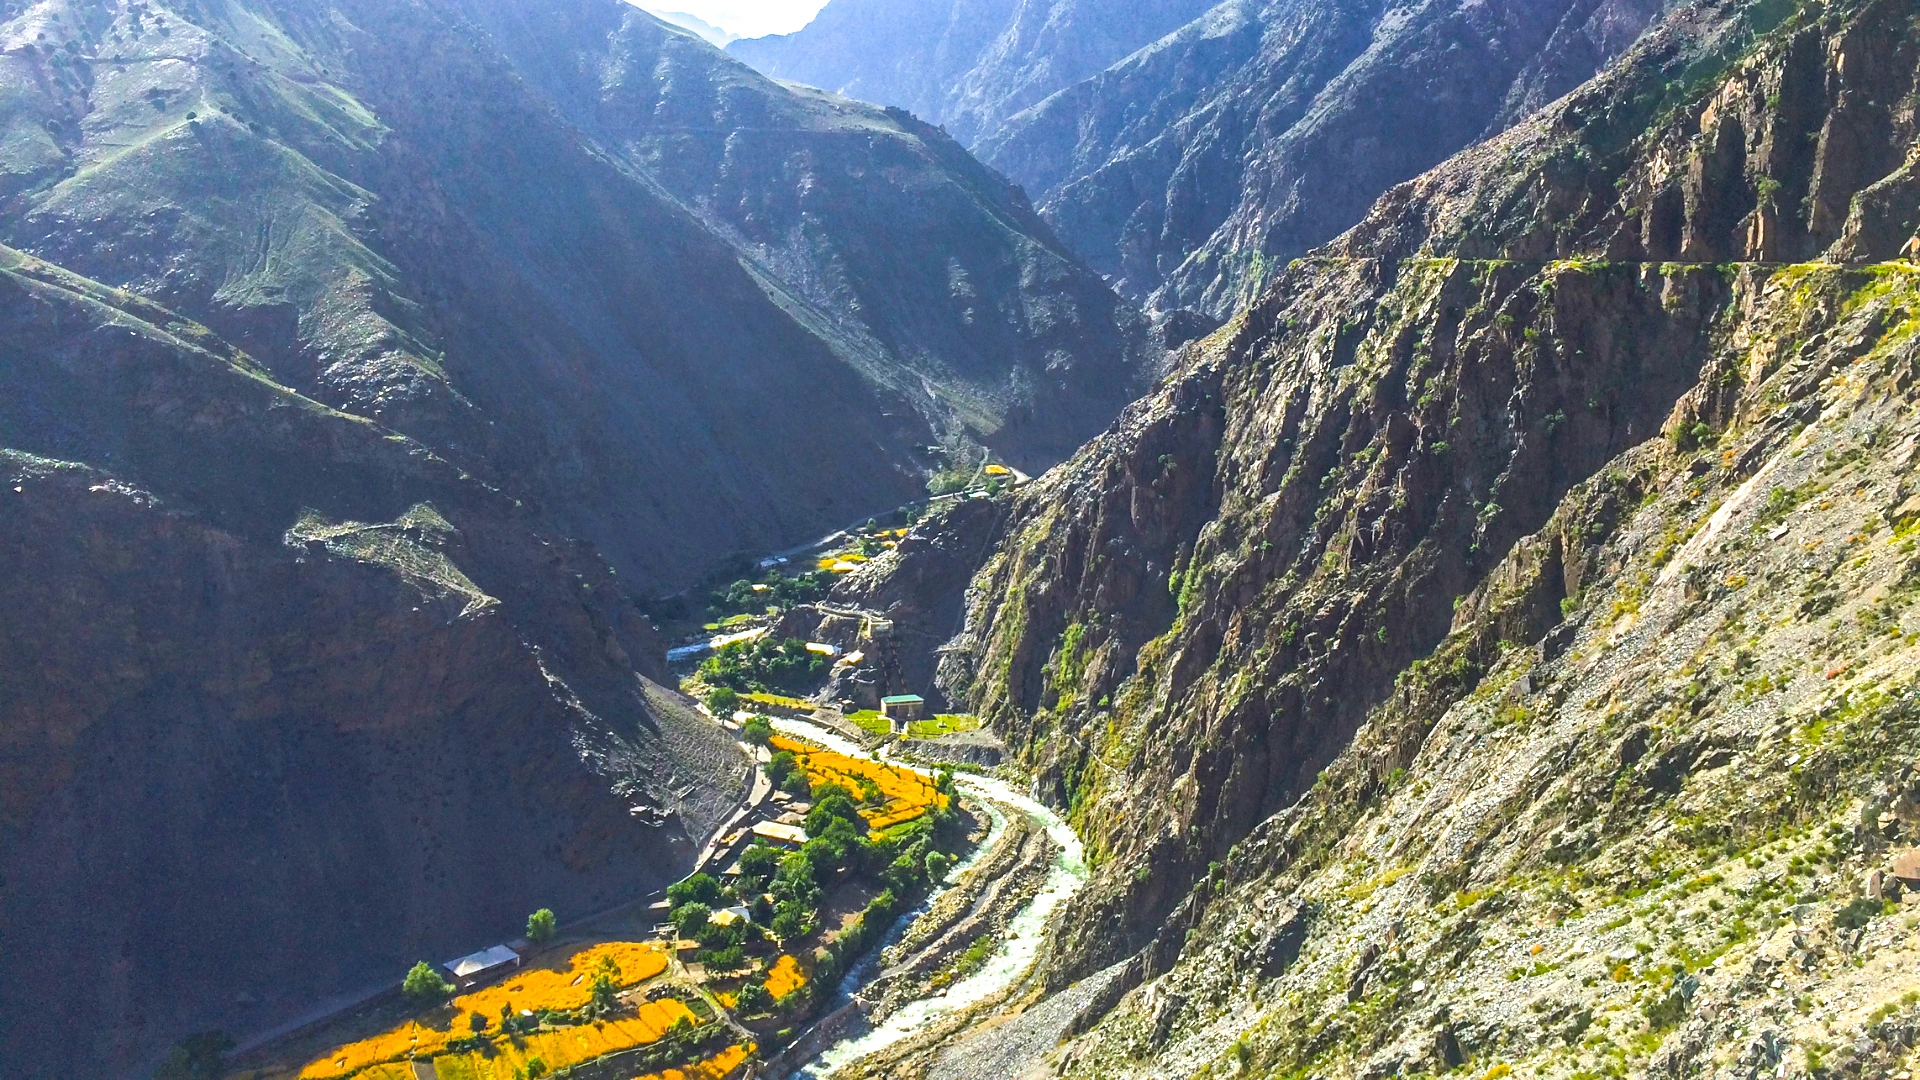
(408,216)
(287,700)
(926,273)
(967,65)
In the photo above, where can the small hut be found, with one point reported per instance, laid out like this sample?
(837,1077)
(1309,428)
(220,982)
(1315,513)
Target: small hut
(902,709)
(474,967)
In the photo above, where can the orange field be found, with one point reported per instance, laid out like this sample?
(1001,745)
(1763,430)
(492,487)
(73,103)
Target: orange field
(714,1068)
(908,793)
(549,986)
(564,1046)
(785,976)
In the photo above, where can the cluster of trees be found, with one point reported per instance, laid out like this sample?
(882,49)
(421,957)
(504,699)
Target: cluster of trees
(722,948)
(782,890)
(778,591)
(764,664)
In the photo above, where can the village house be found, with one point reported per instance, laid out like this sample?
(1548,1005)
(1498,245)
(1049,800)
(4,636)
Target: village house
(783,835)
(902,709)
(471,969)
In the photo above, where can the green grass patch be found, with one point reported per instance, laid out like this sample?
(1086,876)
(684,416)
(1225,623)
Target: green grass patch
(779,701)
(943,724)
(870,721)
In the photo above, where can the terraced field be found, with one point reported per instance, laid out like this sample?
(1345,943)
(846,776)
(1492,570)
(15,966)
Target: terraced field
(908,794)
(447,1033)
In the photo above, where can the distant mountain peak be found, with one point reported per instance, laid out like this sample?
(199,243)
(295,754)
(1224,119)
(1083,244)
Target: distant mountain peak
(713,35)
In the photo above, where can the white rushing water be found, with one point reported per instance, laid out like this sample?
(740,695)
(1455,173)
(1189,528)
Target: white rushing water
(1025,931)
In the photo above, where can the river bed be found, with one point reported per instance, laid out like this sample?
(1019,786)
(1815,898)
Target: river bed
(1017,950)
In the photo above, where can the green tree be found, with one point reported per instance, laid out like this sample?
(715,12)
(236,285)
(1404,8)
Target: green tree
(722,701)
(760,860)
(832,804)
(938,863)
(541,926)
(605,991)
(791,921)
(477,1023)
(197,1057)
(701,888)
(757,731)
(423,983)
(721,961)
(794,883)
(691,918)
(797,785)
(753,998)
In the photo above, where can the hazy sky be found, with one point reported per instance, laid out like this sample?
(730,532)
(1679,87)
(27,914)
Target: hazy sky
(748,18)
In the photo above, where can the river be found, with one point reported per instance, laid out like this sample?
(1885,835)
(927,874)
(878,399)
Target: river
(1017,950)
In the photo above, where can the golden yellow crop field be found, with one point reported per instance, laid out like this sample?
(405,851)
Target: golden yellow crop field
(785,976)
(565,1046)
(548,986)
(908,793)
(716,1067)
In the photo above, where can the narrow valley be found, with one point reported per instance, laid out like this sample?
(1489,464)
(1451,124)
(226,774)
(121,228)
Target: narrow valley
(1269,539)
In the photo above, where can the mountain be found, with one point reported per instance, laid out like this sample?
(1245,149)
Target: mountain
(556,320)
(1194,169)
(928,275)
(1188,152)
(360,364)
(965,64)
(1490,652)
(701,28)
(290,700)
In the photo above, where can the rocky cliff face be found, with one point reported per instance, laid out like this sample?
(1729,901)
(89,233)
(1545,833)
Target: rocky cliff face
(1489,650)
(1193,170)
(965,64)
(289,700)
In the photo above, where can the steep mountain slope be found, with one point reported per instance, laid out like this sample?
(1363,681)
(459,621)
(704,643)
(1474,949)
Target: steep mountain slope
(965,64)
(1491,650)
(288,700)
(371,199)
(928,274)
(1193,169)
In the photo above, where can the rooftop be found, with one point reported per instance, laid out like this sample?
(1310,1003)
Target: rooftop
(903,699)
(786,834)
(484,960)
